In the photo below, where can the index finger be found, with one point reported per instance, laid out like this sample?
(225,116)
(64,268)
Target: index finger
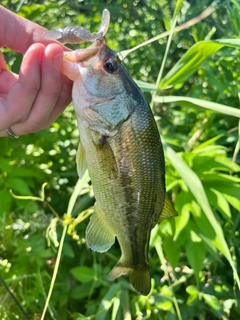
(18,33)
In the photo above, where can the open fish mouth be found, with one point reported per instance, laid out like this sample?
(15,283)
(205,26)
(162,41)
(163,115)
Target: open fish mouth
(83,55)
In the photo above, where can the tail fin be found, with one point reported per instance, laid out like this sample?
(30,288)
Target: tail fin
(139,277)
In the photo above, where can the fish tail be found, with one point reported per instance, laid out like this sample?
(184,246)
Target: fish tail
(139,277)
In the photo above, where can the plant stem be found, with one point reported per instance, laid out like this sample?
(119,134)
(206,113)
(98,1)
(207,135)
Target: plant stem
(71,204)
(173,24)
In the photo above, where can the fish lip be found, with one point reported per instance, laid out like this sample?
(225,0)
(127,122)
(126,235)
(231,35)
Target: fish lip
(82,55)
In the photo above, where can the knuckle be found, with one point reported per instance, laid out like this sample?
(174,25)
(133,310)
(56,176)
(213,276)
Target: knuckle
(32,127)
(19,117)
(36,126)
(15,117)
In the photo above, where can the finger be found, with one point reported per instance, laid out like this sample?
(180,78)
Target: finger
(64,99)
(19,33)
(17,105)
(3,65)
(53,96)
(7,80)
(51,88)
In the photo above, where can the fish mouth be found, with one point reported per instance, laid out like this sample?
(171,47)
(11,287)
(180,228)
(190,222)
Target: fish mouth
(83,55)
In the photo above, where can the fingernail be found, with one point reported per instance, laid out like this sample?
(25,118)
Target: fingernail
(57,61)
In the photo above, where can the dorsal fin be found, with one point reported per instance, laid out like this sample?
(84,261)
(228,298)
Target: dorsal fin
(168,210)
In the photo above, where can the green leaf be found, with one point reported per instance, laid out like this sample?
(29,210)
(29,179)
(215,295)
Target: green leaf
(231,194)
(165,305)
(208,143)
(24,172)
(116,307)
(194,184)
(217,198)
(5,165)
(214,304)
(5,202)
(210,247)
(83,274)
(195,253)
(107,302)
(182,221)
(146,86)
(172,250)
(81,291)
(192,290)
(19,186)
(193,102)
(193,58)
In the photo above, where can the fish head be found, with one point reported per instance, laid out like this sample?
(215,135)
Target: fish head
(102,90)
(98,66)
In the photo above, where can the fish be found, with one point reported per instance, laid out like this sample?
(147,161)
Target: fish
(121,147)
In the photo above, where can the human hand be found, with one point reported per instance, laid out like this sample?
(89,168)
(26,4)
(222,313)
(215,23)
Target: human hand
(32,100)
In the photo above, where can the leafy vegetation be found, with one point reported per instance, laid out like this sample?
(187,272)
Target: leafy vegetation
(193,257)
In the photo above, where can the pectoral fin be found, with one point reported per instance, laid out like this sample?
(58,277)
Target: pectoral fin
(106,156)
(168,210)
(81,160)
(99,236)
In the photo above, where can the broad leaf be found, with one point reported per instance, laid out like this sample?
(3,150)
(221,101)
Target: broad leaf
(196,187)
(146,86)
(193,102)
(195,253)
(5,202)
(193,58)
(83,274)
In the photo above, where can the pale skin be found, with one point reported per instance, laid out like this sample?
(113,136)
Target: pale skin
(32,100)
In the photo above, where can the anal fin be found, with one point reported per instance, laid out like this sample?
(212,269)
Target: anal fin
(99,236)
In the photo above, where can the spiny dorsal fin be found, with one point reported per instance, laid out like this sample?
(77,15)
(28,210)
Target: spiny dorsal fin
(168,210)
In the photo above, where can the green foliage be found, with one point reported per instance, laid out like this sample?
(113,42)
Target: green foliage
(194,256)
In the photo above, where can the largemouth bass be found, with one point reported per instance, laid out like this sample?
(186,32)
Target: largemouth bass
(121,147)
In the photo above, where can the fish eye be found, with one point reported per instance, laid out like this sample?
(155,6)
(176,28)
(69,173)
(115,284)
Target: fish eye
(110,65)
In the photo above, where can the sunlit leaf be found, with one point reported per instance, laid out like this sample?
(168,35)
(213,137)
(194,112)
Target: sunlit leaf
(193,102)
(193,58)
(107,301)
(197,190)
(146,86)
(181,221)
(215,305)
(192,290)
(220,203)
